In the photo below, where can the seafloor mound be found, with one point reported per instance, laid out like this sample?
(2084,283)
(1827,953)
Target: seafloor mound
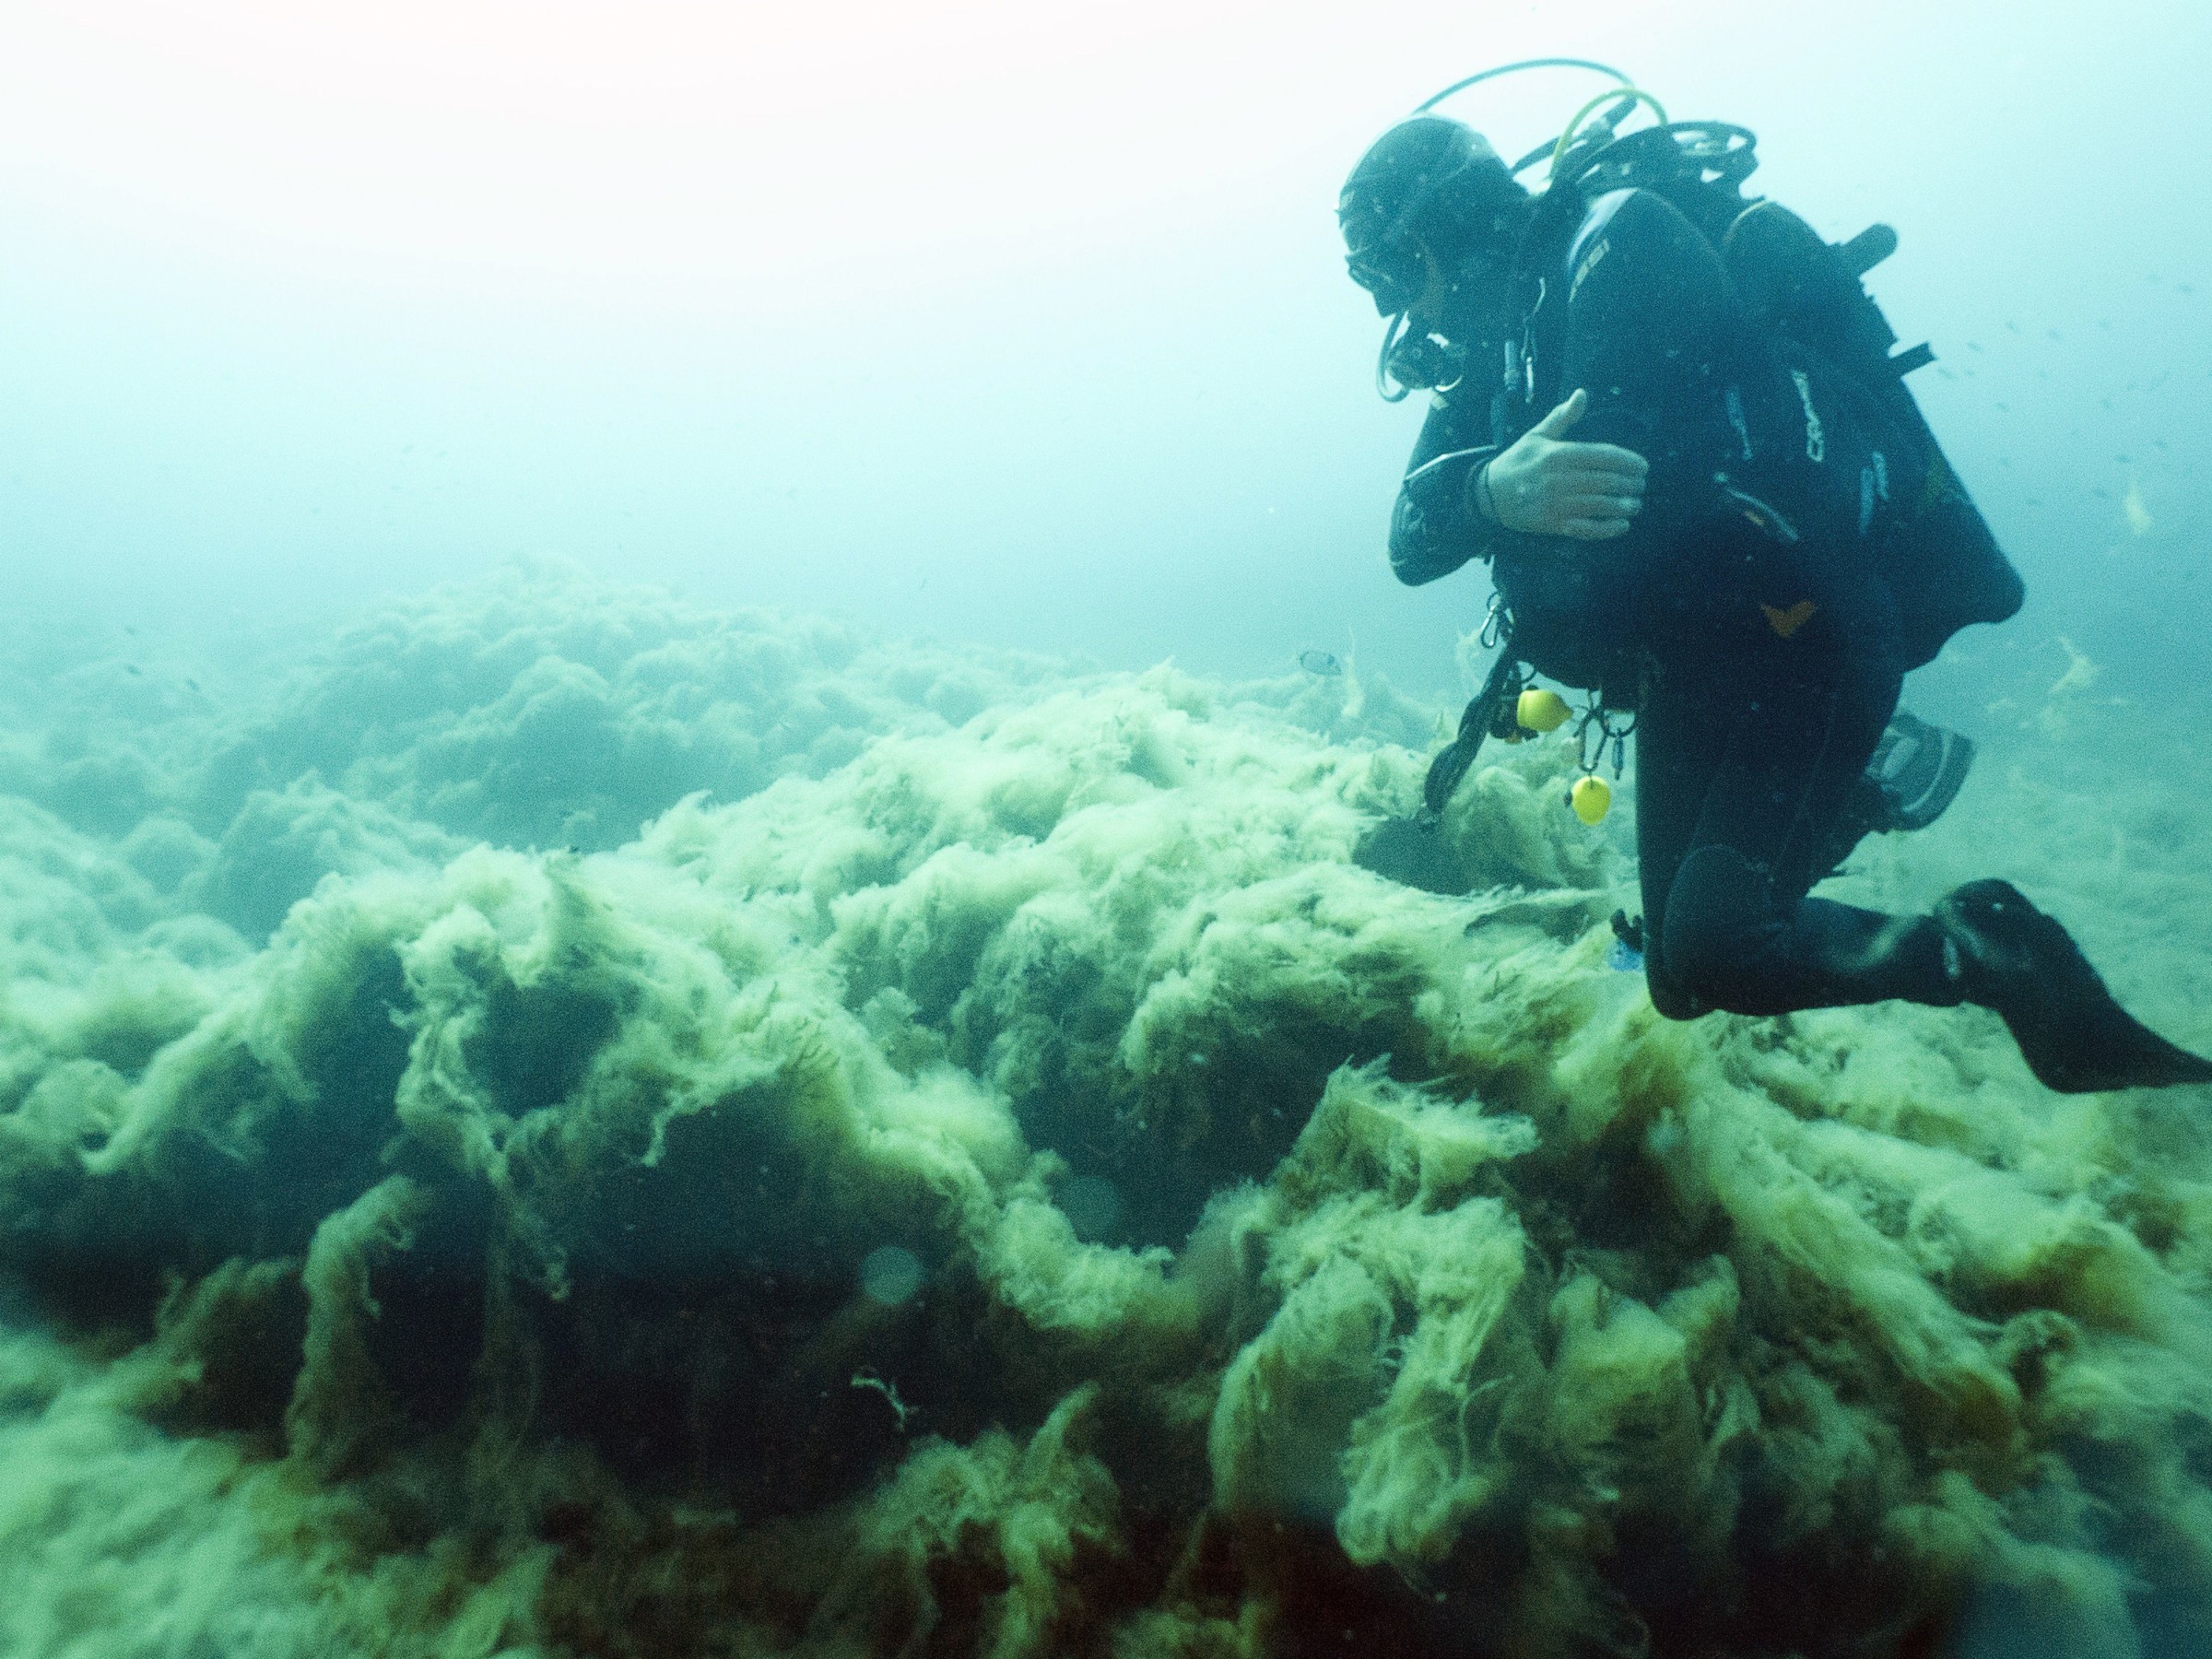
(1017,1184)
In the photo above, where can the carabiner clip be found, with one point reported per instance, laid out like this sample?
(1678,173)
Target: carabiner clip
(1495,621)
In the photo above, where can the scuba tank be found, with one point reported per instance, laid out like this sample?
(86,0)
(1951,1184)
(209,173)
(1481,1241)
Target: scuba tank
(1943,564)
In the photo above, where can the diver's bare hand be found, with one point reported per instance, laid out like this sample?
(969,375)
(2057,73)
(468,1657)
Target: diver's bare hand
(1542,486)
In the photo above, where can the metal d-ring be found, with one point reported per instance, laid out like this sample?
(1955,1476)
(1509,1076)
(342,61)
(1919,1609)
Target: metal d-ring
(1596,718)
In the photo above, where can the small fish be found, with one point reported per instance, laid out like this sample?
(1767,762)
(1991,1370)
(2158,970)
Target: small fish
(132,668)
(1323,662)
(2132,510)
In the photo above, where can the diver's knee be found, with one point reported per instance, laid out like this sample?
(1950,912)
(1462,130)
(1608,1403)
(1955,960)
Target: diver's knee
(1669,995)
(1714,909)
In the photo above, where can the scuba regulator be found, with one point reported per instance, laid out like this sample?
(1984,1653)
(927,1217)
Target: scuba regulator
(1431,196)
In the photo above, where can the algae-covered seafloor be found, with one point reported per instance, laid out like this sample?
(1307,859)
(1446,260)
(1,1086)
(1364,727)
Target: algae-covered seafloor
(571,1123)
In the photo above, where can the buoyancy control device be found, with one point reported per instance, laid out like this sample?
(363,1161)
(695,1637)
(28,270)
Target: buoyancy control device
(1790,286)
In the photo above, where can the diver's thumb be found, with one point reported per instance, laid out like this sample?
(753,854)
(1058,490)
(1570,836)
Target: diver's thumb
(1561,421)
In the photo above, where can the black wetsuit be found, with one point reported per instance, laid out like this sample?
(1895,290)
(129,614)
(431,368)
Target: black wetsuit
(1802,546)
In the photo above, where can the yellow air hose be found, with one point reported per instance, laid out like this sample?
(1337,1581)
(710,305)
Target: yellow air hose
(1575,127)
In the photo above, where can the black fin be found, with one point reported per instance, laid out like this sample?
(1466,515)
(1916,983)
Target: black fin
(2075,1037)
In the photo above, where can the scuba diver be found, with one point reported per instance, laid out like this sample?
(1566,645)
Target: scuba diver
(1668,417)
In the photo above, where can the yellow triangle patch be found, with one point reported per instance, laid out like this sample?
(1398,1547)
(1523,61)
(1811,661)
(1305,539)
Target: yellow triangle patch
(1787,622)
